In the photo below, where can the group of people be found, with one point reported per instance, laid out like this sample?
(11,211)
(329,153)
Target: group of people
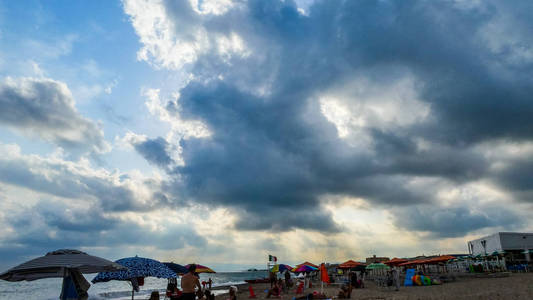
(191,288)
(277,286)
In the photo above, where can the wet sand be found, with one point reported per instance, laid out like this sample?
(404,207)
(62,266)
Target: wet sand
(516,286)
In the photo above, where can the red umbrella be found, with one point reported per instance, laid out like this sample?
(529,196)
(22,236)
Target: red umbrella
(395,261)
(349,264)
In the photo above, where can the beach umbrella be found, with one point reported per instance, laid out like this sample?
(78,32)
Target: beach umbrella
(442,258)
(280,268)
(201,269)
(137,267)
(377,266)
(307,264)
(349,264)
(178,269)
(63,263)
(304,268)
(395,261)
(54,263)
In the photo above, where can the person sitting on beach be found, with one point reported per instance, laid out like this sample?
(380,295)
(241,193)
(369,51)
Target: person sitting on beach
(232,293)
(188,283)
(275,291)
(344,292)
(154,295)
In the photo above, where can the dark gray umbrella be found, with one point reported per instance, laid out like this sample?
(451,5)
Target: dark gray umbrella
(54,264)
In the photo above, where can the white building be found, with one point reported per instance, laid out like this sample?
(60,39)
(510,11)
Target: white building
(517,243)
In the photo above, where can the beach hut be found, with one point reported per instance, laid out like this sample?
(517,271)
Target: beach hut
(137,269)
(64,263)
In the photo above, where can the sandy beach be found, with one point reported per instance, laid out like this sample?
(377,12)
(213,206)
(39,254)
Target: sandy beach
(516,286)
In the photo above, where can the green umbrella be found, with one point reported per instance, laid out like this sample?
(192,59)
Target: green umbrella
(377,266)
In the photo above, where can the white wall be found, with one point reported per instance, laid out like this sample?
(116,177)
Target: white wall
(492,243)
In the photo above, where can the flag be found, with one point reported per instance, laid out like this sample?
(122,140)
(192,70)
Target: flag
(272,258)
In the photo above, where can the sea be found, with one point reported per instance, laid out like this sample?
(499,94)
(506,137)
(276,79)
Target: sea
(50,288)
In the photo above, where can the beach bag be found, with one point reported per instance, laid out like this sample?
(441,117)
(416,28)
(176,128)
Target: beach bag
(426,280)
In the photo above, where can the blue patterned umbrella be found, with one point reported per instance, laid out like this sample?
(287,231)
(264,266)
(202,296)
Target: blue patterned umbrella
(137,267)
(178,269)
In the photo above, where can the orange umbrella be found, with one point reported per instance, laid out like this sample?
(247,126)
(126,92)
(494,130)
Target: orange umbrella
(395,261)
(438,259)
(349,264)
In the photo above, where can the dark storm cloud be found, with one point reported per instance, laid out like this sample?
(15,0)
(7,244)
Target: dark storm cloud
(155,151)
(454,221)
(276,151)
(45,108)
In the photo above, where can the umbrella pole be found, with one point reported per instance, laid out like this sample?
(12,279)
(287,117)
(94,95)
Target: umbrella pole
(132,290)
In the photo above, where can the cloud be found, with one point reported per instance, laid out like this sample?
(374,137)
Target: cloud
(457,221)
(45,108)
(52,225)
(78,180)
(364,99)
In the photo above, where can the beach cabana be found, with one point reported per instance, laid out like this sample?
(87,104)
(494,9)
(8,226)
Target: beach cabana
(201,269)
(137,269)
(64,263)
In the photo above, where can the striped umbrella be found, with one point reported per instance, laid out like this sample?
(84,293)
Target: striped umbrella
(54,264)
(64,263)
(201,269)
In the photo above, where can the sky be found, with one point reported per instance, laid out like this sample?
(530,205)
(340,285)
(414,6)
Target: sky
(221,131)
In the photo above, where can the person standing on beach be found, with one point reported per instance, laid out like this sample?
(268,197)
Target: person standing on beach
(189,282)
(288,282)
(396,278)
(273,280)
